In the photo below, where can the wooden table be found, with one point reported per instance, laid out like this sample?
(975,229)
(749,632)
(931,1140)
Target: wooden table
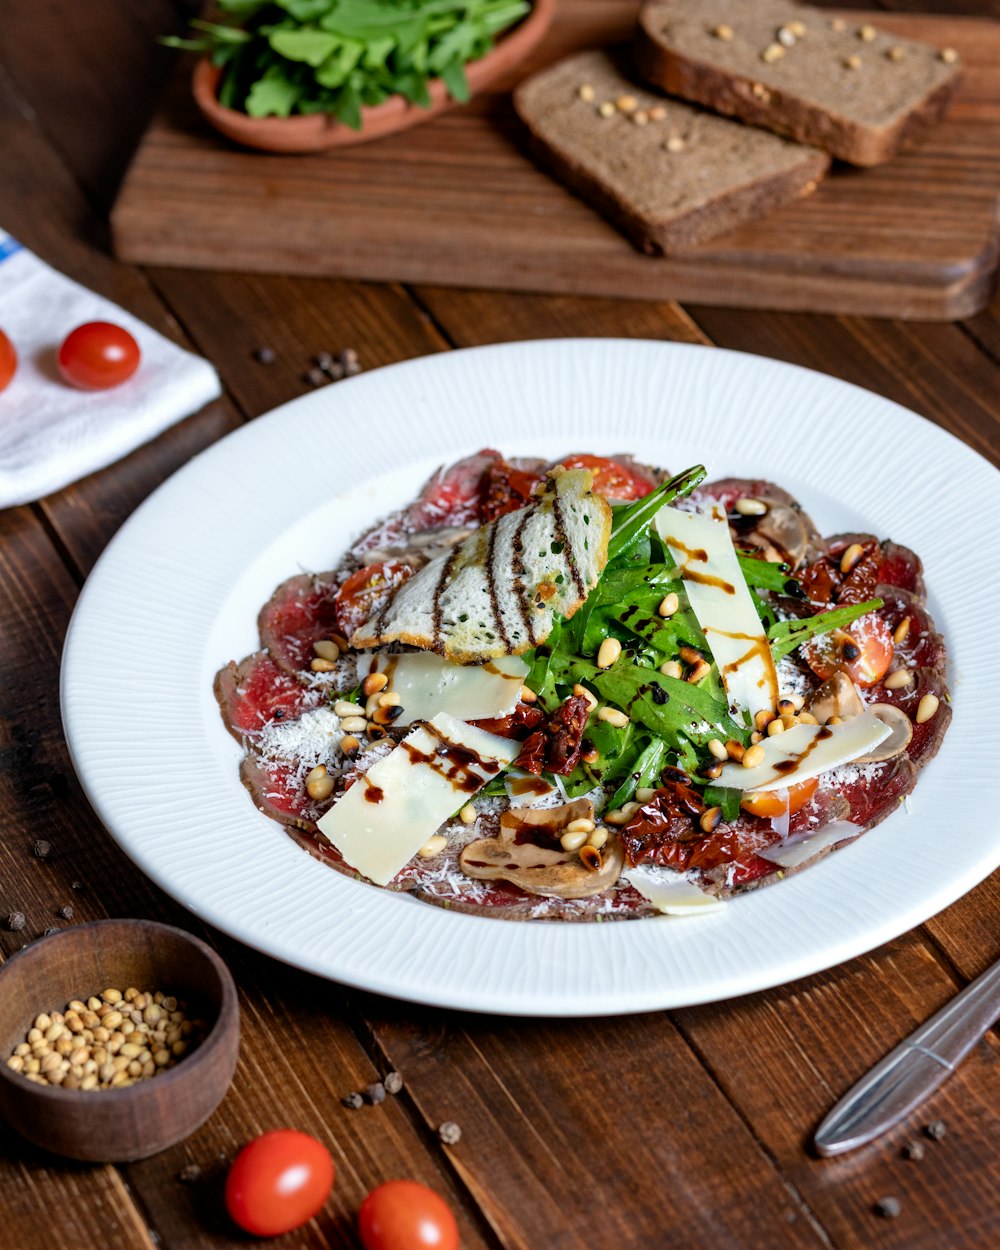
(679,1129)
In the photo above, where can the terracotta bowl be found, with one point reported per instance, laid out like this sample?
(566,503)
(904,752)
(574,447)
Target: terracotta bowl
(318,131)
(117,1125)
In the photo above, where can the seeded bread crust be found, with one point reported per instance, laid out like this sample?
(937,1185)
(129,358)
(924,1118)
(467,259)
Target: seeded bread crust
(852,99)
(664,201)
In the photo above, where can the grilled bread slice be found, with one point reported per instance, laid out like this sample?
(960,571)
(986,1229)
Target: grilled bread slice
(843,86)
(497,592)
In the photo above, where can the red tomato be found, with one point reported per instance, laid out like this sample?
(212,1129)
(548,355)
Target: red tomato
(404,1215)
(97,356)
(8,360)
(278,1181)
(366,591)
(770,805)
(863,651)
(616,481)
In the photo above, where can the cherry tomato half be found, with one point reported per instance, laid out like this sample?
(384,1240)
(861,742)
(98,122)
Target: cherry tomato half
(863,651)
(771,804)
(97,356)
(404,1215)
(614,480)
(366,591)
(278,1181)
(8,360)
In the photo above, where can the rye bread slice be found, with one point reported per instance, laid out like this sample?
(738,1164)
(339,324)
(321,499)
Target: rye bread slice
(845,87)
(668,175)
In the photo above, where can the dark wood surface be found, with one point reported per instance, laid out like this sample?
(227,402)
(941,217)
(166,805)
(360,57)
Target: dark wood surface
(457,202)
(684,1129)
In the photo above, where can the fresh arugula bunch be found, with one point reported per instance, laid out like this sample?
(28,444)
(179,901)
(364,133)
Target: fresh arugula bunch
(332,56)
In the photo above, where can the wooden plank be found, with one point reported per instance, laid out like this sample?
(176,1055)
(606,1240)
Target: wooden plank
(455,202)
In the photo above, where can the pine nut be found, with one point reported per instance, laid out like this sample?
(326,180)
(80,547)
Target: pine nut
(390,699)
(573,840)
(807,718)
(599,838)
(753,756)
(644,794)
(374,683)
(322,666)
(582,824)
(796,700)
(371,705)
(582,692)
(797,28)
(835,720)
(926,708)
(676,144)
(895,54)
(709,820)
(897,679)
(773,52)
(316,773)
(468,814)
(867,33)
(788,719)
(607,109)
(42,1022)
(621,815)
(433,846)
(528,695)
(15,1063)
(640,117)
(785,708)
(669,604)
(612,715)
(112,996)
(354,724)
(344,707)
(349,744)
(627,103)
(672,669)
(609,651)
(586,92)
(718,749)
(319,789)
(735,750)
(756,737)
(750,507)
(386,713)
(723,32)
(902,631)
(657,113)
(786,37)
(590,857)
(763,718)
(949,56)
(699,672)
(851,557)
(326,650)
(852,62)
(775,727)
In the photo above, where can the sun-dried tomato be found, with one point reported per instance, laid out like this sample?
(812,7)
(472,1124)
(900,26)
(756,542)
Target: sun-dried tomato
(663,830)
(524,716)
(505,489)
(824,583)
(557,747)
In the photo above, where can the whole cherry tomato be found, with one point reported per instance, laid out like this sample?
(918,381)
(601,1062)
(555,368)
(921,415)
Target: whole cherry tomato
(278,1181)
(8,360)
(97,356)
(366,591)
(771,805)
(614,480)
(405,1215)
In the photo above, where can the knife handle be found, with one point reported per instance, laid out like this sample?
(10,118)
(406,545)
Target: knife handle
(910,1073)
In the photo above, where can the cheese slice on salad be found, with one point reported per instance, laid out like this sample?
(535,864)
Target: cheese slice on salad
(671,892)
(498,592)
(388,814)
(805,751)
(426,683)
(703,550)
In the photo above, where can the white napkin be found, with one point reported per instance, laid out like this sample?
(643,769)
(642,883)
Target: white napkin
(50,433)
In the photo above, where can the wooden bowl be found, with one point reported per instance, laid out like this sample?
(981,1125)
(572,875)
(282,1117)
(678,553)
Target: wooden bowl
(316,132)
(117,1125)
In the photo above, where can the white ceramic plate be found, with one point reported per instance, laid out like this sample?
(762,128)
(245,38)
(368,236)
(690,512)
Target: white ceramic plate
(177,592)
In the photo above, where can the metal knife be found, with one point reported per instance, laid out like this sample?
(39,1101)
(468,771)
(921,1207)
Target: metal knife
(911,1072)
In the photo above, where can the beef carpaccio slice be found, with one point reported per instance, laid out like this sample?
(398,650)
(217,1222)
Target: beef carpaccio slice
(274,687)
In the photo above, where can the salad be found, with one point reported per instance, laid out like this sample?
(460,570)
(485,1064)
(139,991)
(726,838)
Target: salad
(590,690)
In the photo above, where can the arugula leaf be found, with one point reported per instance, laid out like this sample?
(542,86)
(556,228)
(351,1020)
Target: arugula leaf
(645,772)
(725,797)
(765,575)
(309,45)
(273,95)
(629,523)
(785,636)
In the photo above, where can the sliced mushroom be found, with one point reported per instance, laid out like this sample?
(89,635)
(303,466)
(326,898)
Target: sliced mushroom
(527,852)
(837,696)
(782,533)
(898,740)
(420,548)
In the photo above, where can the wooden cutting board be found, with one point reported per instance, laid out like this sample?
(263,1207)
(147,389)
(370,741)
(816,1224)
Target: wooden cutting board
(457,203)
